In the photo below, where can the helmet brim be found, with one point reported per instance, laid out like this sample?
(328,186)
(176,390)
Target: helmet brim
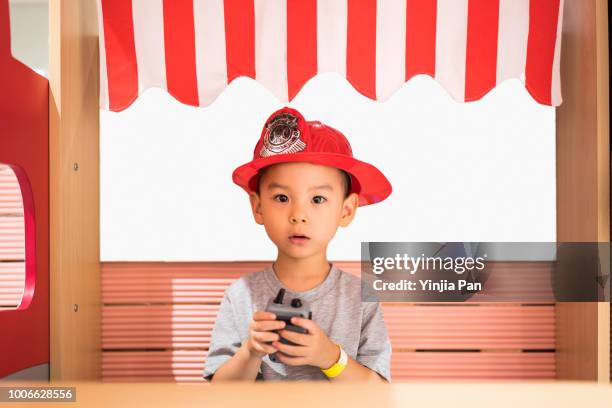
(369,183)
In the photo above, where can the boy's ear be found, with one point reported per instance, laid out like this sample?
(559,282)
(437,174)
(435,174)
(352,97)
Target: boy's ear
(349,208)
(256,207)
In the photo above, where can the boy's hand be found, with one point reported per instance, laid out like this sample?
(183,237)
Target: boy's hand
(312,348)
(261,333)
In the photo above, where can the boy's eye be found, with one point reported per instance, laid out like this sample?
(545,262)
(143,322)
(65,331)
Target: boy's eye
(318,199)
(281,198)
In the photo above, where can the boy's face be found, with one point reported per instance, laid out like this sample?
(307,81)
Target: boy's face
(301,206)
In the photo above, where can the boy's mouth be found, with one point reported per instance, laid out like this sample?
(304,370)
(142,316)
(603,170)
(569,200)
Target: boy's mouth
(299,239)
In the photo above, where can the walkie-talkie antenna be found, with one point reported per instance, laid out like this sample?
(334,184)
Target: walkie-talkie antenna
(280,296)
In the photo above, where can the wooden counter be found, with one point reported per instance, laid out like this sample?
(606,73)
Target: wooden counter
(315,395)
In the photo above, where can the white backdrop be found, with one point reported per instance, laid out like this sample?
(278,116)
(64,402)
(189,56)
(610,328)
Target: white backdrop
(481,171)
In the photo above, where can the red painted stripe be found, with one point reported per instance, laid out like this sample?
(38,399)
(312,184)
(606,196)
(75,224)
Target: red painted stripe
(361,46)
(543,18)
(121,68)
(5,30)
(240,38)
(481,52)
(179,38)
(301,43)
(421,18)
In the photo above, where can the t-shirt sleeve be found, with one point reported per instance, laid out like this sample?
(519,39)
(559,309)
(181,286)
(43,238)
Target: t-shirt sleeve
(374,346)
(225,339)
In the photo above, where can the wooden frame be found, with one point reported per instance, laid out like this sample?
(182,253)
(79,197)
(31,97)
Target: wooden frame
(583,180)
(583,185)
(74,113)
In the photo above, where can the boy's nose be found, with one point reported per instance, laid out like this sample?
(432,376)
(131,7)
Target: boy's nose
(297,219)
(297,214)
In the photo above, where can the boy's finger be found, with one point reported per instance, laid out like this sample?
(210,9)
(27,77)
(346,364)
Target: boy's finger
(296,351)
(265,337)
(292,361)
(305,323)
(268,325)
(269,349)
(297,338)
(266,348)
(262,315)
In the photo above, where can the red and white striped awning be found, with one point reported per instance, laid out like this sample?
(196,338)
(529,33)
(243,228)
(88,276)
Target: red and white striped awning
(195,48)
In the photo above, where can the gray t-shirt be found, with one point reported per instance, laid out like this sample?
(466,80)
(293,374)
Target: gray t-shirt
(336,307)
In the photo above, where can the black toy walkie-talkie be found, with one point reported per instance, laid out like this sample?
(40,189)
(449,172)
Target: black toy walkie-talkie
(285,311)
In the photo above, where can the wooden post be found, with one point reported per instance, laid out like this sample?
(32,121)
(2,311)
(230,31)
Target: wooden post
(74,190)
(583,180)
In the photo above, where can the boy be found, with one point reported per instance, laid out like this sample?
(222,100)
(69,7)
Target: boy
(303,183)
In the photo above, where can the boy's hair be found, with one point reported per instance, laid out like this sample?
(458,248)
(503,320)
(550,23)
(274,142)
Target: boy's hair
(346,180)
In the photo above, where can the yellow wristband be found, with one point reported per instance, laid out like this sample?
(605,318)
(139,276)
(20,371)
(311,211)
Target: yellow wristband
(338,366)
